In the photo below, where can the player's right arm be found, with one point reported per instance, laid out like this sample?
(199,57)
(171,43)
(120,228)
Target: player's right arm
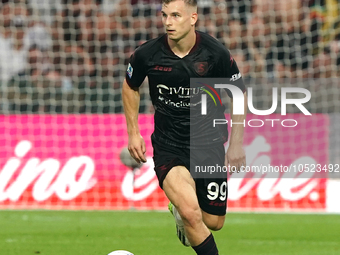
(131,99)
(135,75)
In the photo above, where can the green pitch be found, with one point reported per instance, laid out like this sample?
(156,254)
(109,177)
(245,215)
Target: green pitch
(153,233)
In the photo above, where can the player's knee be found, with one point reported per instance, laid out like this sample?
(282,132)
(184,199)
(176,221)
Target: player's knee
(191,215)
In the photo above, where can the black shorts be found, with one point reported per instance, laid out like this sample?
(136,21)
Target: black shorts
(212,193)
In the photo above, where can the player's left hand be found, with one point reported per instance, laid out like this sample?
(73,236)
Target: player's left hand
(235,158)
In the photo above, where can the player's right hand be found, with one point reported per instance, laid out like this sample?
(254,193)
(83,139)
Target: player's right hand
(137,148)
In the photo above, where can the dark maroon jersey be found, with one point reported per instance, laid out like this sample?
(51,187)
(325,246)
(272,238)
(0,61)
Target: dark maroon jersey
(169,81)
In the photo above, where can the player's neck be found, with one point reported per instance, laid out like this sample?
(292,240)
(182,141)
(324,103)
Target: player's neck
(183,47)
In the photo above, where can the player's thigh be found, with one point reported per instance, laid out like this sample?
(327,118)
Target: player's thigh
(179,187)
(166,158)
(212,187)
(212,195)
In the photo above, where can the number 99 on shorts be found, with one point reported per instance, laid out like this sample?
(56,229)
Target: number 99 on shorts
(217,191)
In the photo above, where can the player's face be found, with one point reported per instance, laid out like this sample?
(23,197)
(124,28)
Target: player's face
(178,19)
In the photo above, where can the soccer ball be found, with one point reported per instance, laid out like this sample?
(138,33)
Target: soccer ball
(120,252)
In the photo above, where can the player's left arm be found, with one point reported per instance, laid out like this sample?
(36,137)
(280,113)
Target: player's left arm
(235,156)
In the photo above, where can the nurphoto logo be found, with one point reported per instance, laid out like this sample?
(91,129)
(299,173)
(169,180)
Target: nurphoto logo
(239,104)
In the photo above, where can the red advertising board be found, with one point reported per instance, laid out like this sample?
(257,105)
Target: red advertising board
(72,162)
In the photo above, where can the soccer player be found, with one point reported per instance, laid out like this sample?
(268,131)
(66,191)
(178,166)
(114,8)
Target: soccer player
(169,61)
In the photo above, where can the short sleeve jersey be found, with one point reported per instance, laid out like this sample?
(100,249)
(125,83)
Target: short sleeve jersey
(169,81)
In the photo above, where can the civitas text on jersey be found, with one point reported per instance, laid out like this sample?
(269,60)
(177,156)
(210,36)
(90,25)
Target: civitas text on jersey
(181,92)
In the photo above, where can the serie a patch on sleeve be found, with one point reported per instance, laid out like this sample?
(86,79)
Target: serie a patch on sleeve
(129,70)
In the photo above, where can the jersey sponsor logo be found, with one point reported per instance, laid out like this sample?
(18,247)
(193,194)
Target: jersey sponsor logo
(201,68)
(129,70)
(179,104)
(235,77)
(181,92)
(163,68)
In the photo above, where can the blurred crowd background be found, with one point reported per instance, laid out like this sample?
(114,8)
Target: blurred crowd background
(70,56)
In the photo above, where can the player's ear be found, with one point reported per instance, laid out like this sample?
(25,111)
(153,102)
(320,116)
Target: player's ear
(194,17)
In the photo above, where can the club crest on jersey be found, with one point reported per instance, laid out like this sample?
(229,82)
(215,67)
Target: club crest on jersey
(129,71)
(201,68)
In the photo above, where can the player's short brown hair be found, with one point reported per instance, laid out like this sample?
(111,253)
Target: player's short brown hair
(192,3)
